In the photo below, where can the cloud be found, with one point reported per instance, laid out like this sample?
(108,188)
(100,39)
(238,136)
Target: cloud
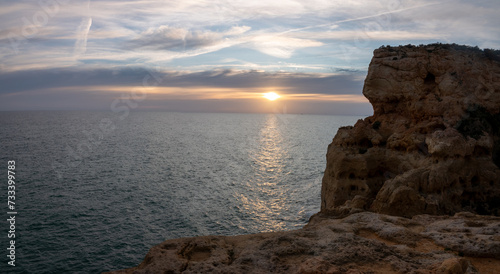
(211,90)
(167,38)
(82,34)
(184,34)
(288,83)
(175,39)
(280,46)
(182,39)
(387,35)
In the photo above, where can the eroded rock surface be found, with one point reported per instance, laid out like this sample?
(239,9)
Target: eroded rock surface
(433,143)
(364,242)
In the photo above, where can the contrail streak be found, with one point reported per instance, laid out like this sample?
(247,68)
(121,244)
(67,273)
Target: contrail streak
(362,18)
(83,33)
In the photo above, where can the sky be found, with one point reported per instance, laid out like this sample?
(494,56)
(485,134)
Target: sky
(218,55)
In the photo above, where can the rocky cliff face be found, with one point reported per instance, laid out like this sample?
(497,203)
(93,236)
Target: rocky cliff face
(433,143)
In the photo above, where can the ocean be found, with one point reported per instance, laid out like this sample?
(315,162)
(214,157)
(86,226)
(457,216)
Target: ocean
(94,191)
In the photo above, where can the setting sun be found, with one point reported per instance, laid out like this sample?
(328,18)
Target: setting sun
(271,96)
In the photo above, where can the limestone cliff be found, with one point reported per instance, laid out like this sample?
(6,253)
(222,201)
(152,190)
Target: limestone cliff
(433,143)
(364,242)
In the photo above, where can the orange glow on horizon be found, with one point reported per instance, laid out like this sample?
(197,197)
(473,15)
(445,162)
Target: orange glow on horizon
(208,93)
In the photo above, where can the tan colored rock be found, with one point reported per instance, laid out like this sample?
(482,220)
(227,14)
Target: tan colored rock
(454,266)
(364,242)
(449,143)
(433,143)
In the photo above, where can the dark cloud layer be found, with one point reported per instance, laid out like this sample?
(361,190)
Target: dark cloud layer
(304,83)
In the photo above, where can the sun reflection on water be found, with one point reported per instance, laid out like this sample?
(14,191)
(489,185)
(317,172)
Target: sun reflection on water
(265,197)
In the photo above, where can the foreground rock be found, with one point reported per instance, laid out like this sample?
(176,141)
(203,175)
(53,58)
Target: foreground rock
(433,143)
(360,243)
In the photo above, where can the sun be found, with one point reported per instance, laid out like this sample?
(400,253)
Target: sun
(271,96)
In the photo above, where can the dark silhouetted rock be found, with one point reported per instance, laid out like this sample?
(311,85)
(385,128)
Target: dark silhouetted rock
(433,143)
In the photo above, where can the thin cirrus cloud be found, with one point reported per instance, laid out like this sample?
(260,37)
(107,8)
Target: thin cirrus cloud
(303,49)
(181,39)
(280,46)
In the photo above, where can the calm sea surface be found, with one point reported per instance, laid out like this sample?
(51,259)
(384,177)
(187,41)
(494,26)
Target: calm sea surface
(95,190)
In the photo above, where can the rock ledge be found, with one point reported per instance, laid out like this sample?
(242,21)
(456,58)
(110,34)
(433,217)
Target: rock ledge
(364,242)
